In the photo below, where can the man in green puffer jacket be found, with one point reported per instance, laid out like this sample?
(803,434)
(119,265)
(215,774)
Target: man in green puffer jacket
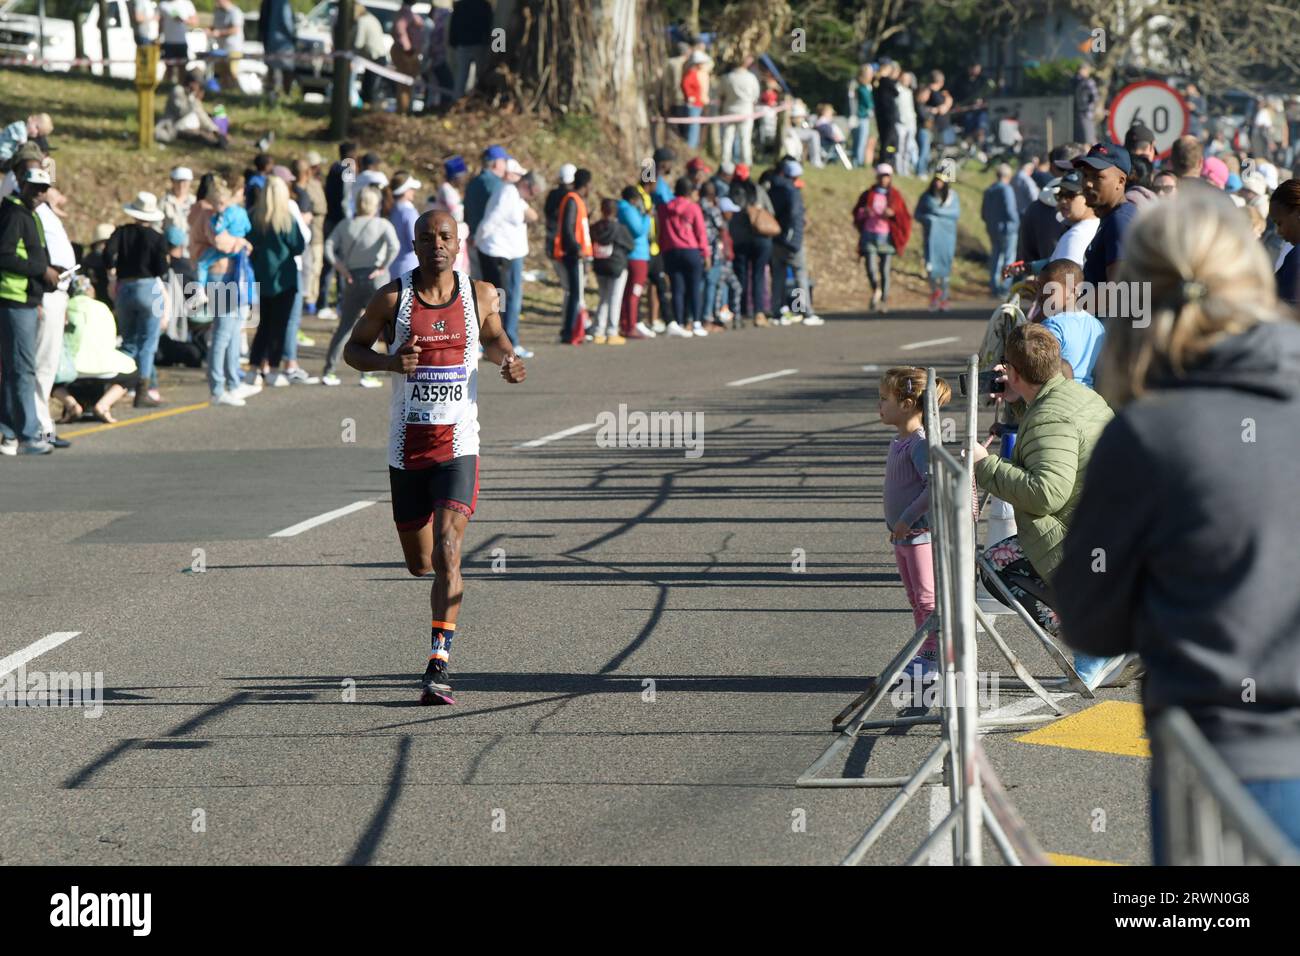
(1043,480)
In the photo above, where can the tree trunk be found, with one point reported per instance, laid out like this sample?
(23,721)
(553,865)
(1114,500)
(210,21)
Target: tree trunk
(602,58)
(79,42)
(103,38)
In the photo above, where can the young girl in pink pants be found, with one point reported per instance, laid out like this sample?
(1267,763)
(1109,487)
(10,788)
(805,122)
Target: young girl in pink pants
(907,499)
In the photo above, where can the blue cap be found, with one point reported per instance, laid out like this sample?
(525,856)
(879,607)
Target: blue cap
(175,236)
(454,166)
(1104,155)
(493,153)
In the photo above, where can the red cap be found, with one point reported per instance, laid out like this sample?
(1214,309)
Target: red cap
(742,172)
(697,165)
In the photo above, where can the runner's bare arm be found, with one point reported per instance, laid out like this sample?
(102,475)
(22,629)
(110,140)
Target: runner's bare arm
(379,313)
(496,344)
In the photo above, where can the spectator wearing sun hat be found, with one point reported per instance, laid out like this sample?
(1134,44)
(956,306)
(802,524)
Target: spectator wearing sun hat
(136,257)
(403,216)
(178,201)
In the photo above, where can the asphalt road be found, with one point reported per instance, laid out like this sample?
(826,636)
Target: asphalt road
(641,677)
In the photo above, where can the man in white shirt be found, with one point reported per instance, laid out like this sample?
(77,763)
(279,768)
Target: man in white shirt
(177,17)
(739,90)
(370,175)
(502,243)
(54,311)
(144,17)
(227,38)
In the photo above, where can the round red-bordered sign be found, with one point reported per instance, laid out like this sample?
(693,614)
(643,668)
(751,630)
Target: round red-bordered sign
(1157,105)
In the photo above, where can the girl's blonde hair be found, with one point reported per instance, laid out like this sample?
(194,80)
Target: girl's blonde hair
(1208,278)
(271,211)
(906,383)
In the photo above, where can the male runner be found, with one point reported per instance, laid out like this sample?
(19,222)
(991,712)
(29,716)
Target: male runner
(432,319)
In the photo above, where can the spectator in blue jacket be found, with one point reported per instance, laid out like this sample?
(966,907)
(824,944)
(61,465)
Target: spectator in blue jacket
(276,30)
(481,189)
(663,191)
(1002,220)
(787,246)
(632,214)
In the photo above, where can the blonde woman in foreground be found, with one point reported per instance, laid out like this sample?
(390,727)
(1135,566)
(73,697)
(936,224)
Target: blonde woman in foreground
(1190,499)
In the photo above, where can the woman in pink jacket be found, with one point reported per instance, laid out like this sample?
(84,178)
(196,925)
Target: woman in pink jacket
(683,240)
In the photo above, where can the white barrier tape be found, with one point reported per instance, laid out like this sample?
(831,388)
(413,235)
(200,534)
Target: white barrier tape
(360,62)
(375,68)
(729,118)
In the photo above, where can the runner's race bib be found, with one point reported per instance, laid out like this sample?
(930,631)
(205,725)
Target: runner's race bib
(437,394)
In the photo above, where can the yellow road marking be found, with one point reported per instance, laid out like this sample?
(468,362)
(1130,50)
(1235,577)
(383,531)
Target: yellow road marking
(136,420)
(1111,727)
(1065,859)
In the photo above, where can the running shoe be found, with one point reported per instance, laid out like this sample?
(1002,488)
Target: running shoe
(331,379)
(920,670)
(229,398)
(600,340)
(435,689)
(246,390)
(327,315)
(659,326)
(645,330)
(675,331)
(761,320)
(305,340)
(370,381)
(253,378)
(279,380)
(725,315)
(814,320)
(637,334)
(700,330)
(9,446)
(299,376)
(524,353)
(615,340)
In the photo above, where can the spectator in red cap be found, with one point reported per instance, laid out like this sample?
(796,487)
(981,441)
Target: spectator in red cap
(698,171)
(742,172)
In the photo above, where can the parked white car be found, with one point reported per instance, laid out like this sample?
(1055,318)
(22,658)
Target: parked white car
(20,33)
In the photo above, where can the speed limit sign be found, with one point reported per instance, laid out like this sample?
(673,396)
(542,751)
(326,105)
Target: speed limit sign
(1157,106)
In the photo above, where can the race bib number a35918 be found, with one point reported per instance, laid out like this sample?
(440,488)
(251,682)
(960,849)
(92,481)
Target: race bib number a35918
(437,394)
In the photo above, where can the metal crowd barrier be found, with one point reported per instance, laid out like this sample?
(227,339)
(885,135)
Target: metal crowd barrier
(1207,818)
(976,799)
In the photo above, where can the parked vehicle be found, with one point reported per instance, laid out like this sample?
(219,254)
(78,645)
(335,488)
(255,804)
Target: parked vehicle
(315,42)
